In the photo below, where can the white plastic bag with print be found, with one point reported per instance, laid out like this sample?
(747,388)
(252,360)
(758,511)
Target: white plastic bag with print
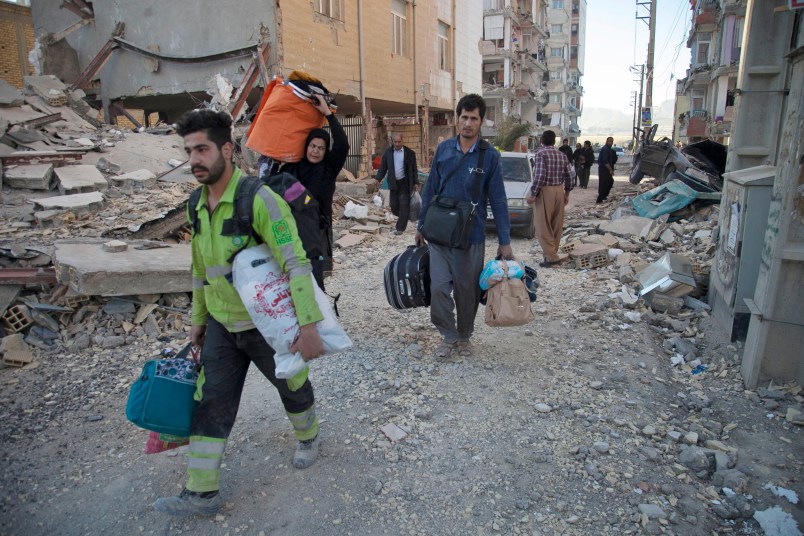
(265,292)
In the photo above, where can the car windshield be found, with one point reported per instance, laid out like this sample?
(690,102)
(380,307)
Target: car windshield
(515,169)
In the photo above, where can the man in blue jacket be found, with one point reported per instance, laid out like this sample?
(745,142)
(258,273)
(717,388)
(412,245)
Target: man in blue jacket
(454,272)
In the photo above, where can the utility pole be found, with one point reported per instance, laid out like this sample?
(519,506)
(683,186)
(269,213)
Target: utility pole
(650,20)
(651,47)
(638,110)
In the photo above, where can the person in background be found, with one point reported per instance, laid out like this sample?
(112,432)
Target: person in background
(578,160)
(589,160)
(605,170)
(318,171)
(549,193)
(399,163)
(566,149)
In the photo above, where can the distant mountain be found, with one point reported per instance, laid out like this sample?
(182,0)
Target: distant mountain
(606,121)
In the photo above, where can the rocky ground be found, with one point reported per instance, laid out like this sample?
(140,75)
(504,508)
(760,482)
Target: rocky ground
(584,422)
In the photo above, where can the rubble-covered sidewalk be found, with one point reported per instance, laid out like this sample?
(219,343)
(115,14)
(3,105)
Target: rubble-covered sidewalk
(619,410)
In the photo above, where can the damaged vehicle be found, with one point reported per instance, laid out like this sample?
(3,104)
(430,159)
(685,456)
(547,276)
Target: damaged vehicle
(704,161)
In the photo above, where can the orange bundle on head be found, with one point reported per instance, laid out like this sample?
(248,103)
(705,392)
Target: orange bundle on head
(284,119)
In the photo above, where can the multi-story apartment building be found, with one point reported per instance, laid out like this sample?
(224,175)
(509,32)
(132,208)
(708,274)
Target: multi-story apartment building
(514,62)
(715,41)
(533,63)
(395,64)
(565,62)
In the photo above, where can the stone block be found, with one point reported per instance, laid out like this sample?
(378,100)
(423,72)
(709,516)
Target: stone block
(142,179)
(349,240)
(353,189)
(628,226)
(32,177)
(80,179)
(88,270)
(78,203)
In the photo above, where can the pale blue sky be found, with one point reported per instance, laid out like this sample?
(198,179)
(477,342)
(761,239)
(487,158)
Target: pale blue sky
(615,40)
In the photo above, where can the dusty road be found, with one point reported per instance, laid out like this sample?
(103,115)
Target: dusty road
(577,424)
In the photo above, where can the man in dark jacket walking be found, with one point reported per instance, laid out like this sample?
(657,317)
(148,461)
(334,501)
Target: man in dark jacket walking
(566,149)
(605,170)
(589,159)
(399,163)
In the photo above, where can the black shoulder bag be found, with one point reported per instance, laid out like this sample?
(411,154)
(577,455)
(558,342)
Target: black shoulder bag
(448,221)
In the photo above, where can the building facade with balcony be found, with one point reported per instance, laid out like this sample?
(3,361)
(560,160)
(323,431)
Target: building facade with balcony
(514,62)
(565,63)
(715,41)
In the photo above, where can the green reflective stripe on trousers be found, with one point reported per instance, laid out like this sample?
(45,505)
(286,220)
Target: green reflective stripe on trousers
(198,396)
(212,446)
(204,463)
(305,424)
(218,271)
(295,383)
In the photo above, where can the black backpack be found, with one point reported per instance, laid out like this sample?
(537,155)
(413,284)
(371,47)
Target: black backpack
(303,207)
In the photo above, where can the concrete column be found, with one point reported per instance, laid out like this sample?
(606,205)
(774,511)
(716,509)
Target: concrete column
(774,346)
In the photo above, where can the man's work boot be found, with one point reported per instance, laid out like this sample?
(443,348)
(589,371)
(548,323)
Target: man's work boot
(306,453)
(189,502)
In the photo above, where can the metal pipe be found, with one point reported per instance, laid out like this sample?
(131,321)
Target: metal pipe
(361,64)
(413,52)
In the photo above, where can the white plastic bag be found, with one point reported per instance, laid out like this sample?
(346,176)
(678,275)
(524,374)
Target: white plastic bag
(265,292)
(377,200)
(355,211)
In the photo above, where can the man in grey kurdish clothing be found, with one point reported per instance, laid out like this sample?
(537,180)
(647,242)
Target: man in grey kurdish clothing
(454,272)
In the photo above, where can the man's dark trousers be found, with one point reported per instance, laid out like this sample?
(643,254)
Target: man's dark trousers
(400,203)
(605,183)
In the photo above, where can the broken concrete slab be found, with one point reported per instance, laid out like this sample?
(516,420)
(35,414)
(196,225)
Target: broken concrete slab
(15,351)
(79,179)
(88,270)
(33,177)
(8,293)
(78,203)
(48,87)
(393,432)
(142,179)
(628,226)
(9,95)
(349,240)
(372,229)
(355,189)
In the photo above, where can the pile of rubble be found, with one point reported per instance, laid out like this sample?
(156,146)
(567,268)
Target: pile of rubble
(93,237)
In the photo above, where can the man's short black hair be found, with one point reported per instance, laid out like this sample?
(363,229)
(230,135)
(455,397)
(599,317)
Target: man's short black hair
(587,142)
(217,125)
(549,137)
(471,102)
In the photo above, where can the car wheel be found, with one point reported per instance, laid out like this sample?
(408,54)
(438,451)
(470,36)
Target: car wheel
(636,173)
(529,232)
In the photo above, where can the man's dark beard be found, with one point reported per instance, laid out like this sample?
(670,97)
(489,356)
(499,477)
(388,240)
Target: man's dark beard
(213,174)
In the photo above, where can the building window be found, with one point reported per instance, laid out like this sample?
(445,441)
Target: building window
(573,52)
(556,29)
(697,103)
(399,27)
(555,75)
(443,46)
(737,37)
(703,53)
(555,98)
(558,4)
(574,29)
(557,52)
(330,8)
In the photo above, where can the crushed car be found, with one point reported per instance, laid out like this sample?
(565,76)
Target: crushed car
(703,162)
